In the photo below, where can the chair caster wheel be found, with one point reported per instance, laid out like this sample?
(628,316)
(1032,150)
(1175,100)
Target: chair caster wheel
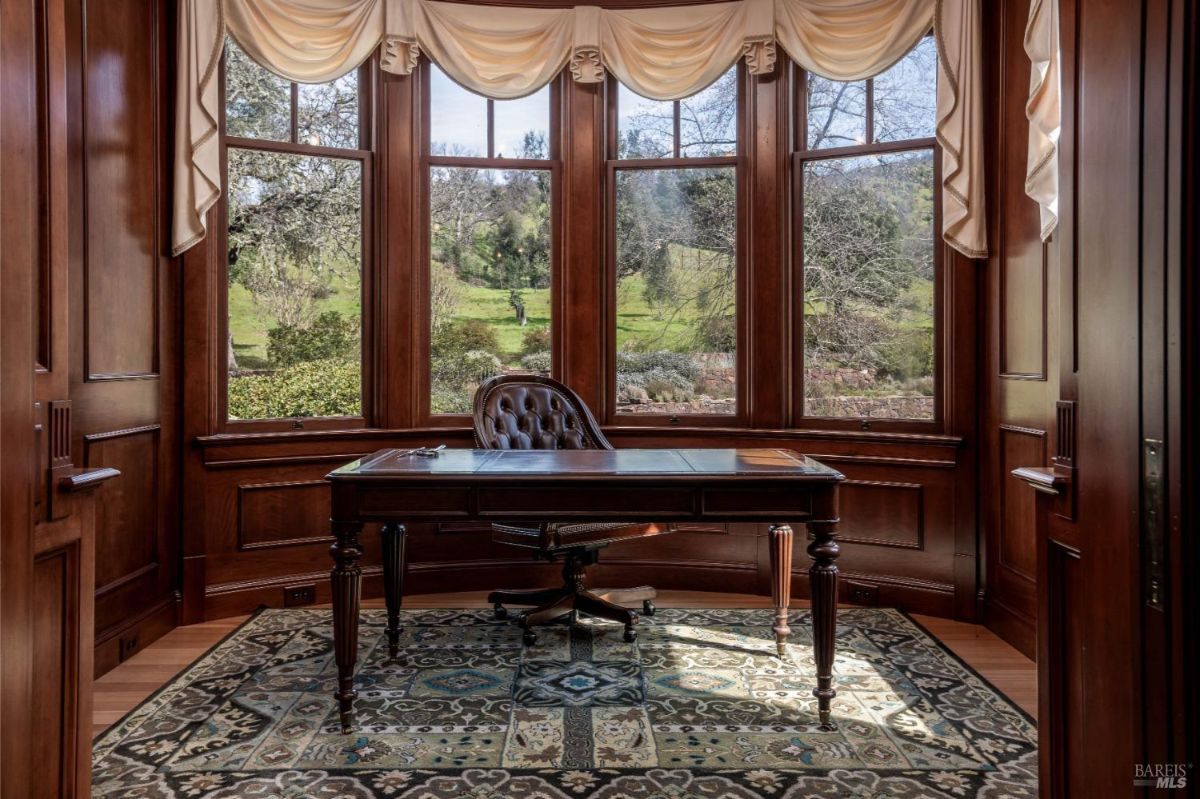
(530,638)
(648,608)
(630,635)
(500,611)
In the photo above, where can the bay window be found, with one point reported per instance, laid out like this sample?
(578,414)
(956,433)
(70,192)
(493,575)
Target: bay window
(490,183)
(297,173)
(674,251)
(866,227)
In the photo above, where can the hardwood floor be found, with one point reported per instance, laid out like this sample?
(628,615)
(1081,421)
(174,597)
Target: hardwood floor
(120,690)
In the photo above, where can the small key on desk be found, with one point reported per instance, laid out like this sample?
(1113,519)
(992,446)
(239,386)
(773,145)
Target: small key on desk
(429,452)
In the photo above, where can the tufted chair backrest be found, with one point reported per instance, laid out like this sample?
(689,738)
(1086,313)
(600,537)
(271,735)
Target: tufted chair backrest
(533,412)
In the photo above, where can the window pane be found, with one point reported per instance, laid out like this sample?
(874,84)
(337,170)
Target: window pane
(457,118)
(522,127)
(489,279)
(837,113)
(676,290)
(708,120)
(295,287)
(906,96)
(258,104)
(645,128)
(327,113)
(868,286)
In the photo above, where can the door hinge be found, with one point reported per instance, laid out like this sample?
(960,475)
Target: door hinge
(1153,536)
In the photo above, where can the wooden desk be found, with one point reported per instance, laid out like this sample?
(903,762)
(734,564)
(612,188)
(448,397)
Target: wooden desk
(637,485)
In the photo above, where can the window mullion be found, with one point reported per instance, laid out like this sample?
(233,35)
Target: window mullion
(491,128)
(294,121)
(676,129)
(870,120)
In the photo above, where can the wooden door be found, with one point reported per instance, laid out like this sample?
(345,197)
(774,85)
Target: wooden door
(122,286)
(46,563)
(1112,649)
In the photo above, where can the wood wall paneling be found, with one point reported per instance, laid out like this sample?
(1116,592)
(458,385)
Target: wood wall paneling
(282,513)
(124,307)
(122,136)
(1021,347)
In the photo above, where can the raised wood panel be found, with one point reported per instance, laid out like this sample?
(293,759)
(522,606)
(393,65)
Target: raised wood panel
(1018,528)
(123,304)
(1023,322)
(126,517)
(54,597)
(882,513)
(121,221)
(1061,718)
(1021,347)
(282,514)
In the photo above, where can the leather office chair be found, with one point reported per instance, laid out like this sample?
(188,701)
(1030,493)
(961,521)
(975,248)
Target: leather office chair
(534,412)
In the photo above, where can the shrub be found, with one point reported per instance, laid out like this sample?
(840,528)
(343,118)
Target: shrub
(676,362)
(330,335)
(907,355)
(457,338)
(331,387)
(661,385)
(716,333)
(449,400)
(535,340)
(537,362)
(471,367)
(667,385)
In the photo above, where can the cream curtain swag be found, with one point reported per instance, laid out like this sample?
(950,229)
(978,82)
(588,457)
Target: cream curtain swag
(507,52)
(1044,111)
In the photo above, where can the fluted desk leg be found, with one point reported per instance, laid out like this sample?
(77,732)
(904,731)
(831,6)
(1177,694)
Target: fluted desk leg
(394,535)
(781,583)
(346,584)
(822,578)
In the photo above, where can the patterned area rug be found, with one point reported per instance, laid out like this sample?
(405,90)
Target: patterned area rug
(698,707)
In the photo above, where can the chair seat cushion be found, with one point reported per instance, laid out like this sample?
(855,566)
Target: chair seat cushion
(555,536)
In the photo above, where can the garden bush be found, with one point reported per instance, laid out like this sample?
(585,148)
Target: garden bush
(330,335)
(537,362)
(330,387)
(457,338)
(677,362)
(907,355)
(469,368)
(536,340)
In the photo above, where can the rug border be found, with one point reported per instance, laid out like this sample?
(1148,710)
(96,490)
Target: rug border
(1024,713)
(263,608)
(171,680)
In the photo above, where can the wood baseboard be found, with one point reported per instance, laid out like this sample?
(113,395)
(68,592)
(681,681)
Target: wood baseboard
(1011,626)
(120,642)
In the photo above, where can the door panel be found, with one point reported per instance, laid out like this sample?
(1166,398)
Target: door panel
(123,310)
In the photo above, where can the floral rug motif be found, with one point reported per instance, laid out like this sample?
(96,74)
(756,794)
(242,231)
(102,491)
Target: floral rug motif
(699,707)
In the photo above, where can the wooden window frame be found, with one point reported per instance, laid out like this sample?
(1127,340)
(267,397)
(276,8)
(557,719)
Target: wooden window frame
(422,338)
(612,164)
(365,156)
(801,155)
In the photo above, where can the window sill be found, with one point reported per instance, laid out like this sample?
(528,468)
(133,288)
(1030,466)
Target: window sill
(429,434)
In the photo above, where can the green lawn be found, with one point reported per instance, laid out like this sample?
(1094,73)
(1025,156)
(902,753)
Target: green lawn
(249,323)
(637,320)
(491,305)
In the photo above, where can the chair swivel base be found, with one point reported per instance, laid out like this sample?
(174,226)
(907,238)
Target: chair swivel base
(573,598)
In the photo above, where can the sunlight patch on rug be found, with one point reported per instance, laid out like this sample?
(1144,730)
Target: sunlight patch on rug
(698,707)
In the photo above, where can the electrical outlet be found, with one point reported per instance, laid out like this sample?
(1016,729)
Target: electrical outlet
(863,594)
(127,645)
(295,595)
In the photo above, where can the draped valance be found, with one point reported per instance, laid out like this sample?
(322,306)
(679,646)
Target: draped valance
(1043,110)
(505,52)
